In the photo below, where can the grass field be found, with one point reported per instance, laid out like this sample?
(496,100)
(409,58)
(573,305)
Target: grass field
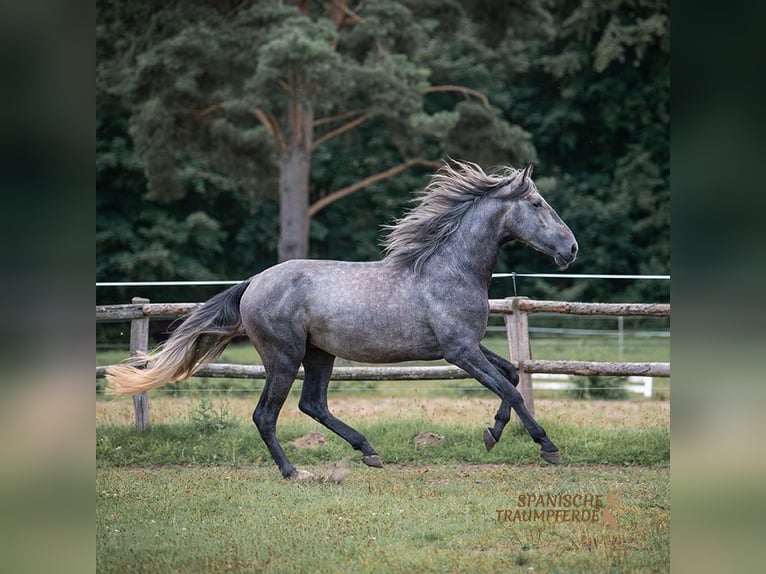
(399,519)
(199,493)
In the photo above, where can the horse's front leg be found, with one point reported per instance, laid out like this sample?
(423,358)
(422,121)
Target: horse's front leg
(506,368)
(497,375)
(503,365)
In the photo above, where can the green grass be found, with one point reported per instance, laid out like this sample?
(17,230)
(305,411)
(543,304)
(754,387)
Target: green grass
(395,519)
(200,443)
(200,493)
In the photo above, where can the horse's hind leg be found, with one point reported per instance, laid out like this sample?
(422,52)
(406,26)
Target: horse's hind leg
(279,378)
(318,368)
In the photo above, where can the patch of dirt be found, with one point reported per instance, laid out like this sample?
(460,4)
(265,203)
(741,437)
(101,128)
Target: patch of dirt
(310,440)
(428,438)
(335,473)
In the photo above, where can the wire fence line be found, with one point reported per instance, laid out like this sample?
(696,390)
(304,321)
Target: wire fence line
(494,276)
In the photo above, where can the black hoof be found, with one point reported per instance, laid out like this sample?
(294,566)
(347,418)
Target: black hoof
(551,457)
(489,440)
(372,460)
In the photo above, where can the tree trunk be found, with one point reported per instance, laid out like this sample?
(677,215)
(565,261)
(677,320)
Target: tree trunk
(295,164)
(294,205)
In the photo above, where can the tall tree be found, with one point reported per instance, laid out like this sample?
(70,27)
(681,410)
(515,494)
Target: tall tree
(244,94)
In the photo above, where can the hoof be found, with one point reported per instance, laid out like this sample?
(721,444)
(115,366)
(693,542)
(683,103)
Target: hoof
(489,440)
(372,460)
(301,475)
(551,457)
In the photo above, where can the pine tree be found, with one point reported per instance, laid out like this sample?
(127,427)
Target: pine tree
(246,94)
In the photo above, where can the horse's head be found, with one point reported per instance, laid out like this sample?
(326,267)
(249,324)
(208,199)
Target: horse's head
(531,220)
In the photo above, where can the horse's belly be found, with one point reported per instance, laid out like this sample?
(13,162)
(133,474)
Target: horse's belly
(364,354)
(373,342)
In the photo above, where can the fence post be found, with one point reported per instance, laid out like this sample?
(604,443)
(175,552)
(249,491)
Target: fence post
(139,341)
(517,329)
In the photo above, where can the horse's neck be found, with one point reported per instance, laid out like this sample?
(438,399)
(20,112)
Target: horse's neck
(472,250)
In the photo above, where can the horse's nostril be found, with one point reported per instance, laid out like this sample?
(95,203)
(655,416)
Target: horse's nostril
(574,248)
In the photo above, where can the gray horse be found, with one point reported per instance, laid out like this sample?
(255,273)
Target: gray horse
(426,300)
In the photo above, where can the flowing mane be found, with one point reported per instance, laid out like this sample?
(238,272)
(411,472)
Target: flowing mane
(440,208)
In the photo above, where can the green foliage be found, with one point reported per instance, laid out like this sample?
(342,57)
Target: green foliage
(597,102)
(187,174)
(206,418)
(297,53)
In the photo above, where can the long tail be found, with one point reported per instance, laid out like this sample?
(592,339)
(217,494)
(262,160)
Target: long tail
(199,339)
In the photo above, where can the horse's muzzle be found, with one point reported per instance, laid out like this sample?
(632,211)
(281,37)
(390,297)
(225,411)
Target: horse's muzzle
(563,260)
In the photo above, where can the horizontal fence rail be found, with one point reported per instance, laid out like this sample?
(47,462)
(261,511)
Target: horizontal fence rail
(514,309)
(498,306)
(505,306)
(435,373)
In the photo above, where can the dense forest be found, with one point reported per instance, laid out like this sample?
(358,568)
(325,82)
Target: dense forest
(234,134)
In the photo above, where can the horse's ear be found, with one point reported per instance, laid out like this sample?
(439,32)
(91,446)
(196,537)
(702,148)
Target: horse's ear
(528,171)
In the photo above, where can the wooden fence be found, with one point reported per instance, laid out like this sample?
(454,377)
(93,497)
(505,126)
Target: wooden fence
(514,309)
